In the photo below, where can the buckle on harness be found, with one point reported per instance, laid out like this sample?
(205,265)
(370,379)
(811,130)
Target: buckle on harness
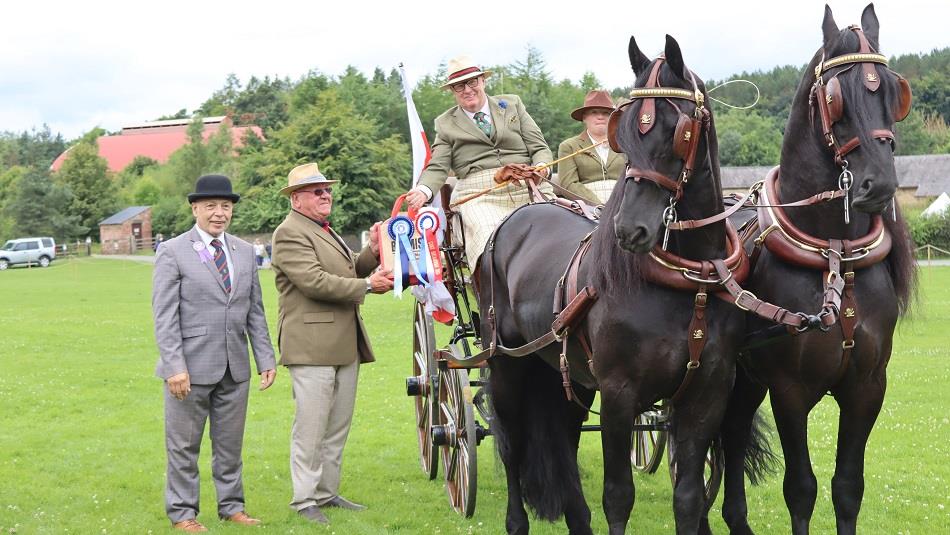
(692,365)
(741,295)
(847,344)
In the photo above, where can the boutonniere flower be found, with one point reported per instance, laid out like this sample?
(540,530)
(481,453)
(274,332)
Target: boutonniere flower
(203,254)
(503,104)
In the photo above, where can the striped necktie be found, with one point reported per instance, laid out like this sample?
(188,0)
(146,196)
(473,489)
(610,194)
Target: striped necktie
(482,122)
(221,262)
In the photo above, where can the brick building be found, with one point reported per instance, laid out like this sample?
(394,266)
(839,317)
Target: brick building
(127,231)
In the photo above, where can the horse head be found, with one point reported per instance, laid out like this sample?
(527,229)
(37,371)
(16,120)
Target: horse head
(664,132)
(854,102)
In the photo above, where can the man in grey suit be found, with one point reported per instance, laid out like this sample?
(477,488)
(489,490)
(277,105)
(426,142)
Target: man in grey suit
(206,302)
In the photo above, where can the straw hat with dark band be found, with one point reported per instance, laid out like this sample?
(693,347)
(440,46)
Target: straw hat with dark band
(462,68)
(305,175)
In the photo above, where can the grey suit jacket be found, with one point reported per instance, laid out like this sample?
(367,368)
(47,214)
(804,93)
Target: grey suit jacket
(200,328)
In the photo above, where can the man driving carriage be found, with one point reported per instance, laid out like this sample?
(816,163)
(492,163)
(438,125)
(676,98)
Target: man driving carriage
(477,138)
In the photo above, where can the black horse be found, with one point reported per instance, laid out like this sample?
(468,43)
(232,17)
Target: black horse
(862,99)
(638,328)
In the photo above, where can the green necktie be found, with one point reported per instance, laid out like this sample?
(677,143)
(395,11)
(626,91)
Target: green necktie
(483,123)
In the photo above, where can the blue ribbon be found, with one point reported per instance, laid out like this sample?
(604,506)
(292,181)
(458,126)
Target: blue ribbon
(420,273)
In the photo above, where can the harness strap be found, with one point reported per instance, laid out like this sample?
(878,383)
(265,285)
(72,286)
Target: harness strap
(748,301)
(676,188)
(871,80)
(833,283)
(696,335)
(848,317)
(648,109)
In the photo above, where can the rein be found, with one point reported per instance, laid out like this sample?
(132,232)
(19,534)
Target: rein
(548,165)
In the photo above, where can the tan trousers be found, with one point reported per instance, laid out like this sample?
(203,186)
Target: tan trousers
(325,397)
(481,216)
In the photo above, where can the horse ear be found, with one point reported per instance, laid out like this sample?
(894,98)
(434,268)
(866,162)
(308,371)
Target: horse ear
(870,26)
(829,27)
(638,60)
(674,58)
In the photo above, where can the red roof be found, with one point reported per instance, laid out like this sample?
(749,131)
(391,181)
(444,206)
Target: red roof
(157,143)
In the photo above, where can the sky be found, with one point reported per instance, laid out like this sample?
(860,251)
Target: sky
(78,65)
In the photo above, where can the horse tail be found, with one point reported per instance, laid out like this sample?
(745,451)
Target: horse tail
(542,442)
(760,461)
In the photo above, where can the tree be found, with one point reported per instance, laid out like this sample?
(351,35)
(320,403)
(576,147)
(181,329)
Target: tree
(86,174)
(42,208)
(922,133)
(748,138)
(373,171)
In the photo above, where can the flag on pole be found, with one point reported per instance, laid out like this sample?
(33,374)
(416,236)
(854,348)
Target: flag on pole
(421,153)
(435,296)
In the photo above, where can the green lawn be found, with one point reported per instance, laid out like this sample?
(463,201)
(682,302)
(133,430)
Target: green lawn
(81,442)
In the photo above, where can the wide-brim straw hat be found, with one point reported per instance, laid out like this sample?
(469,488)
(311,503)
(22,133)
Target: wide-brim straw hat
(462,68)
(304,175)
(596,99)
(213,187)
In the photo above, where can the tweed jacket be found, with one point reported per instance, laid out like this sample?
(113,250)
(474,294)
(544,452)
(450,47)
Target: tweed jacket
(321,284)
(587,166)
(460,146)
(199,327)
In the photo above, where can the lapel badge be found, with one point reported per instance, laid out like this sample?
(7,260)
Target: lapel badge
(646,118)
(198,246)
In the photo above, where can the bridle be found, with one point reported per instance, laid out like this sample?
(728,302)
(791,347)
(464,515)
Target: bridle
(685,136)
(828,98)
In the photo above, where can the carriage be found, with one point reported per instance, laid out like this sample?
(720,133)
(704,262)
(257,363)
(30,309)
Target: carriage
(452,411)
(795,259)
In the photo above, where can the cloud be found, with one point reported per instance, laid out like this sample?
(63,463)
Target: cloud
(79,65)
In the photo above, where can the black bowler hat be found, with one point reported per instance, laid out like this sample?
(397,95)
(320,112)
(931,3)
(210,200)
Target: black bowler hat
(213,187)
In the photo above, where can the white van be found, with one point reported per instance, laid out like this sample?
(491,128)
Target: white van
(39,251)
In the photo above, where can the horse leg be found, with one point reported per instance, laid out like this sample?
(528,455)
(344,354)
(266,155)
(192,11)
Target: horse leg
(791,406)
(736,435)
(860,405)
(695,420)
(507,385)
(576,510)
(617,415)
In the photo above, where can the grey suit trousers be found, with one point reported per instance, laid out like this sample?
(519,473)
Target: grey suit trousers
(325,398)
(225,404)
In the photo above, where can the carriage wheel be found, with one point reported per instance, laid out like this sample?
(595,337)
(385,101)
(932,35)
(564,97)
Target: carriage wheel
(422,386)
(456,437)
(712,474)
(646,450)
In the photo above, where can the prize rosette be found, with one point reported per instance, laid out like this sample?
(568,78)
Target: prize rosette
(410,248)
(400,230)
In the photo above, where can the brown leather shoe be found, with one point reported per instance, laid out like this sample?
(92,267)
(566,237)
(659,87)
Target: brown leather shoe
(190,526)
(241,518)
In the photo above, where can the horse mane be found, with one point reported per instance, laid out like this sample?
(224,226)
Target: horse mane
(901,264)
(614,267)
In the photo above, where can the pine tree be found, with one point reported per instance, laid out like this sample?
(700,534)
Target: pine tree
(87,176)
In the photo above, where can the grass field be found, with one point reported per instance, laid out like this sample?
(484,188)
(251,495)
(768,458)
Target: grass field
(81,441)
